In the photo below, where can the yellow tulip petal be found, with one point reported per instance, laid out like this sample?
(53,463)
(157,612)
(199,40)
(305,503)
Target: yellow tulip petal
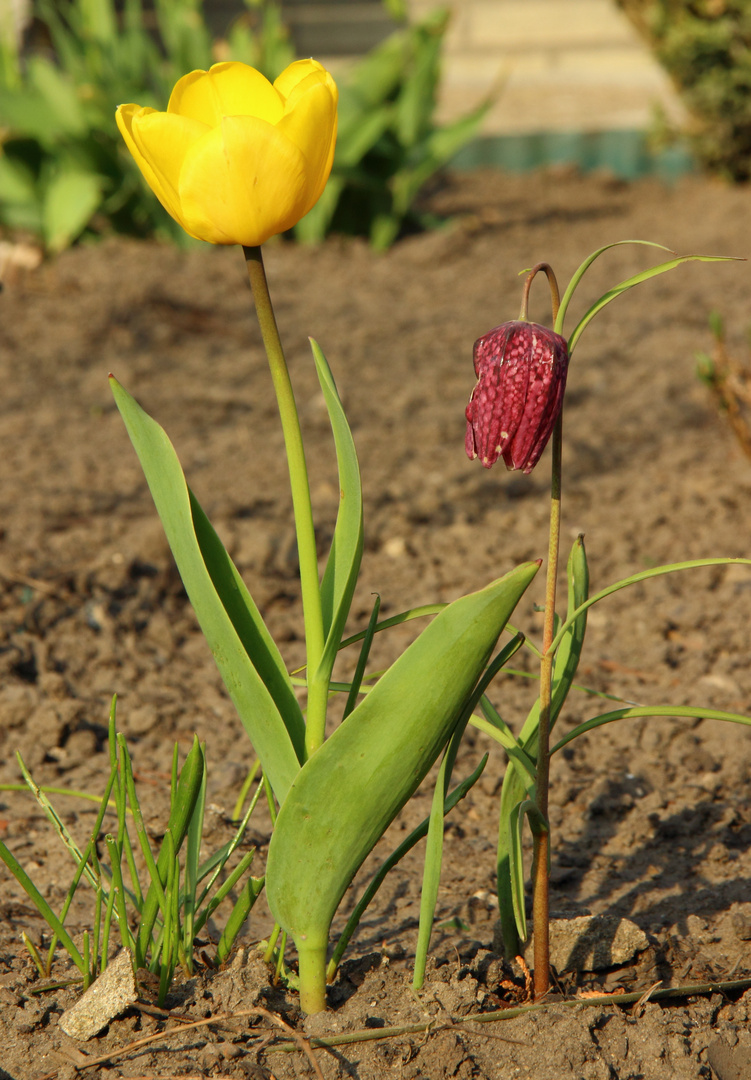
(228,89)
(295,73)
(242,182)
(160,142)
(310,122)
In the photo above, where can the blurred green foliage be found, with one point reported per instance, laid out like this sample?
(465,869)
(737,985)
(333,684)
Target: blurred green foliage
(389,143)
(705,46)
(65,171)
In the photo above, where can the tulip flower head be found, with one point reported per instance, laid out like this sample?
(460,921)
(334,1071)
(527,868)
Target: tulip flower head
(236,159)
(521,369)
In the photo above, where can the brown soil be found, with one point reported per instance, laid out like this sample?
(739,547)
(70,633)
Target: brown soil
(651,818)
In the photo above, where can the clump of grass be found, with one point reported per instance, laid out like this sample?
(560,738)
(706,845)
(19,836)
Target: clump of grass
(729,380)
(157,914)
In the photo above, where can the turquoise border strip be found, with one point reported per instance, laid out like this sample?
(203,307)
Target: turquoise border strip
(626,154)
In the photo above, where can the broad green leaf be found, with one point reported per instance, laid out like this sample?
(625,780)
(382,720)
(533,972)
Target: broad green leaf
(70,200)
(59,96)
(650,710)
(17,181)
(343,564)
(459,792)
(434,848)
(350,790)
(248,623)
(230,624)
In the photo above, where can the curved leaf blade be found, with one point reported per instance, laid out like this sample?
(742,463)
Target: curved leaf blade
(343,564)
(274,734)
(350,790)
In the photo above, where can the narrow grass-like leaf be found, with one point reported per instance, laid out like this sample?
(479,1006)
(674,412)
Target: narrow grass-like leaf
(396,620)
(192,858)
(517,784)
(88,852)
(343,564)
(431,876)
(188,788)
(629,283)
(118,892)
(581,271)
(57,823)
(274,727)
(41,905)
(362,660)
(650,710)
(492,724)
(395,857)
(35,956)
(251,890)
(642,575)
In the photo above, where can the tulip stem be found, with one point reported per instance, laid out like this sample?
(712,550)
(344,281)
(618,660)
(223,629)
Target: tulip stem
(303,511)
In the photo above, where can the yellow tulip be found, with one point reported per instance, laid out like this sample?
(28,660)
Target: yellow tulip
(235,159)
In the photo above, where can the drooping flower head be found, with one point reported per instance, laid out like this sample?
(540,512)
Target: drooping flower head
(235,159)
(521,369)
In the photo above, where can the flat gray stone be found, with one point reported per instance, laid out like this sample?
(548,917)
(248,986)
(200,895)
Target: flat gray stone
(106,998)
(592,943)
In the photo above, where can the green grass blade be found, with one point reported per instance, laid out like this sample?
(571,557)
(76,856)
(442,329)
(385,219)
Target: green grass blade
(275,735)
(649,710)
(251,890)
(192,859)
(42,906)
(57,823)
(117,895)
(343,564)
(216,863)
(225,888)
(188,788)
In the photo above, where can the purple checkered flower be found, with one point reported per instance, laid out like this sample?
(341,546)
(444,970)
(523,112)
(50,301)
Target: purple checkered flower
(521,369)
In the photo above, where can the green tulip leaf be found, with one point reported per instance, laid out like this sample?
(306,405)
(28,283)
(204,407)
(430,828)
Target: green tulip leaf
(351,788)
(343,564)
(245,653)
